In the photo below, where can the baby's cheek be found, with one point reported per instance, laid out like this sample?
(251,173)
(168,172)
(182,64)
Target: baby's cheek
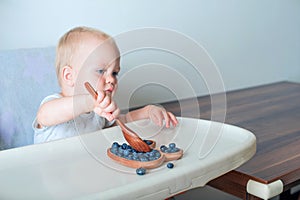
(100,84)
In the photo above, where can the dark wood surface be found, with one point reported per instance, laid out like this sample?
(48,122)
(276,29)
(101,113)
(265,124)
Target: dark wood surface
(272,113)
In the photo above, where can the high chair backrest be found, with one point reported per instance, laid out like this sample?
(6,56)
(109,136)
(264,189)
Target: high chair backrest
(27,76)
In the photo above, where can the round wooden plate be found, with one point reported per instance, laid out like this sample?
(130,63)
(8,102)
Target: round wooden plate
(148,164)
(137,164)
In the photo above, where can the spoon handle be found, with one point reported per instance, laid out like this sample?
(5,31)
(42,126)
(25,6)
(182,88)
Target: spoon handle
(91,90)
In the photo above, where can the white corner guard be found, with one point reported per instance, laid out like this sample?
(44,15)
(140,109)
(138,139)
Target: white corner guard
(265,191)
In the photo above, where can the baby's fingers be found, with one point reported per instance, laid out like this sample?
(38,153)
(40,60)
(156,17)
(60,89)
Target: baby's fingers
(115,114)
(100,96)
(167,119)
(106,101)
(173,119)
(108,116)
(113,109)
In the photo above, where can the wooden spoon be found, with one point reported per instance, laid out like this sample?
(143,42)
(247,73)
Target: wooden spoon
(130,136)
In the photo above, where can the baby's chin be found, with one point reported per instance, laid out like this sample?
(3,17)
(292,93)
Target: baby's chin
(111,93)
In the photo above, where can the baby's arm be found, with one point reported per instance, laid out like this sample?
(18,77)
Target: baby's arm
(155,113)
(66,108)
(62,109)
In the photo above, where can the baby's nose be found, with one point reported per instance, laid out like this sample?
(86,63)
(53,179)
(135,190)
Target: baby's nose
(110,79)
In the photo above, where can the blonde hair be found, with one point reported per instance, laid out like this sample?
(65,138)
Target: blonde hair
(68,46)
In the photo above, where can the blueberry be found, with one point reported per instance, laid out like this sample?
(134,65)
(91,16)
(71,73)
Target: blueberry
(170,165)
(149,142)
(163,148)
(119,154)
(151,154)
(134,151)
(144,159)
(157,154)
(172,145)
(126,152)
(136,158)
(174,150)
(129,157)
(115,145)
(152,158)
(141,171)
(114,150)
(140,154)
(168,150)
(124,146)
(155,151)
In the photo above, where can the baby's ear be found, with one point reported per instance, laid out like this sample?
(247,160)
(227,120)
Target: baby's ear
(67,75)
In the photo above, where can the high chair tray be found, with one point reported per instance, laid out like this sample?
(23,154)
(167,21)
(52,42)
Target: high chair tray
(78,167)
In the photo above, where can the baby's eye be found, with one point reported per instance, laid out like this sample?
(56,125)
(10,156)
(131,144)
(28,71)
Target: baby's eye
(100,71)
(115,73)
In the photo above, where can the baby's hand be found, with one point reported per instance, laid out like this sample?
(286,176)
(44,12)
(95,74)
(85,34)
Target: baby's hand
(106,107)
(158,114)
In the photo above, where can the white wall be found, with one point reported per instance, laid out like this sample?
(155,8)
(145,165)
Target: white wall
(252,42)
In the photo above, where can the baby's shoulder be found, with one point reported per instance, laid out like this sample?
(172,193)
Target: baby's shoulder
(51,97)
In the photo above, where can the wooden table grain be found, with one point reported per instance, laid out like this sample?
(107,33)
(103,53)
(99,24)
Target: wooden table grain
(272,113)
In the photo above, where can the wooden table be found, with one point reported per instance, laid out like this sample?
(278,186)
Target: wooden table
(272,113)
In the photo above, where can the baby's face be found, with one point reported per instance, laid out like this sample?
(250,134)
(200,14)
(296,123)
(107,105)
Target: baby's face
(100,66)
